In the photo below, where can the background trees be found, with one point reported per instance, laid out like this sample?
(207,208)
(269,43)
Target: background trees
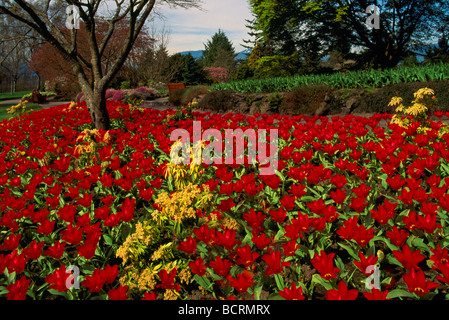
(338,26)
(17,45)
(48,18)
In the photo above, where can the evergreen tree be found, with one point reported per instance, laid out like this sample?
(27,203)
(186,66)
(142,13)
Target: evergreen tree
(192,73)
(218,47)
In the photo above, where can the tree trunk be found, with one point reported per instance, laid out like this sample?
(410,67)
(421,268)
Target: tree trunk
(96,104)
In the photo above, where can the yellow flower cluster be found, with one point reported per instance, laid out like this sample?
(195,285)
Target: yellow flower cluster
(418,111)
(181,204)
(164,252)
(18,109)
(182,172)
(136,243)
(72,106)
(90,142)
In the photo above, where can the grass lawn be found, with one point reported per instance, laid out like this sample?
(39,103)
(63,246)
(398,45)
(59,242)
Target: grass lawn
(14,95)
(5,115)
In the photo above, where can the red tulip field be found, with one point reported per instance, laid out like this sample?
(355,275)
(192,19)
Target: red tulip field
(358,209)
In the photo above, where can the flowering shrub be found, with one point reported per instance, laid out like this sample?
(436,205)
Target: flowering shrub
(18,110)
(42,93)
(217,74)
(417,112)
(354,202)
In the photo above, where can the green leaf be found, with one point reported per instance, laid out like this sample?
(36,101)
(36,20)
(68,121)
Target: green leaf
(391,259)
(350,250)
(340,265)
(275,296)
(419,243)
(316,278)
(399,293)
(279,281)
(107,239)
(258,290)
(203,281)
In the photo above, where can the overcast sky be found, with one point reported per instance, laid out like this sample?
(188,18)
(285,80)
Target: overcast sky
(191,29)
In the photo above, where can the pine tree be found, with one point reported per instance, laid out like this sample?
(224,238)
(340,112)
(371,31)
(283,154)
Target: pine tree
(215,48)
(192,73)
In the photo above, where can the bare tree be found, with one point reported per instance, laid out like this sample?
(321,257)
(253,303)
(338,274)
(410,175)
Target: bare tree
(16,46)
(46,18)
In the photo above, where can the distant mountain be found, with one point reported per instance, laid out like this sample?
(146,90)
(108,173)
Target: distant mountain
(195,54)
(243,54)
(199,53)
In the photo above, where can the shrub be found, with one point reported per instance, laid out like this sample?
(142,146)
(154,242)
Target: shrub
(176,96)
(217,74)
(218,101)
(418,111)
(42,93)
(143,93)
(275,101)
(193,93)
(305,100)
(125,85)
(118,95)
(378,100)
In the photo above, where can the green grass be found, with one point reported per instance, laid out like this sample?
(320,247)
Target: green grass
(14,95)
(5,115)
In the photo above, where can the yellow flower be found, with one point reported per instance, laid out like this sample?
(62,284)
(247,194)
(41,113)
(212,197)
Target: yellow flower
(416,109)
(423,92)
(400,108)
(395,101)
(147,280)
(185,275)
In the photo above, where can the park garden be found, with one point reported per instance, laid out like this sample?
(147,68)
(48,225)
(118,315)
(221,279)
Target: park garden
(354,207)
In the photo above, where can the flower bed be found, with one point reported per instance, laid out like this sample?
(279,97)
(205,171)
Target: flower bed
(357,210)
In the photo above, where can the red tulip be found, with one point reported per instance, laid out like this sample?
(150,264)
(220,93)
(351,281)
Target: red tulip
(409,259)
(274,263)
(339,196)
(221,267)
(397,237)
(255,220)
(188,246)
(58,279)
(245,256)
(364,263)
(278,215)
(293,293)
(242,282)
(198,267)
(342,293)
(261,241)
(417,283)
(18,289)
(288,202)
(324,264)
(376,294)
(121,293)
(56,251)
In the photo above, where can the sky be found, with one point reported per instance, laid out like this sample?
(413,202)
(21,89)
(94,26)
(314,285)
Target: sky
(190,29)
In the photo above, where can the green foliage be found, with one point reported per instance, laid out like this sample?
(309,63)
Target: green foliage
(243,71)
(218,101)
(304,99)
(353,79)
(192,73)
(276,66)
(125,85)
(218,47)
(176,96)
(275,101)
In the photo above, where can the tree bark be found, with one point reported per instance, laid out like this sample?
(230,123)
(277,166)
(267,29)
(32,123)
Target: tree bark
(96,104)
